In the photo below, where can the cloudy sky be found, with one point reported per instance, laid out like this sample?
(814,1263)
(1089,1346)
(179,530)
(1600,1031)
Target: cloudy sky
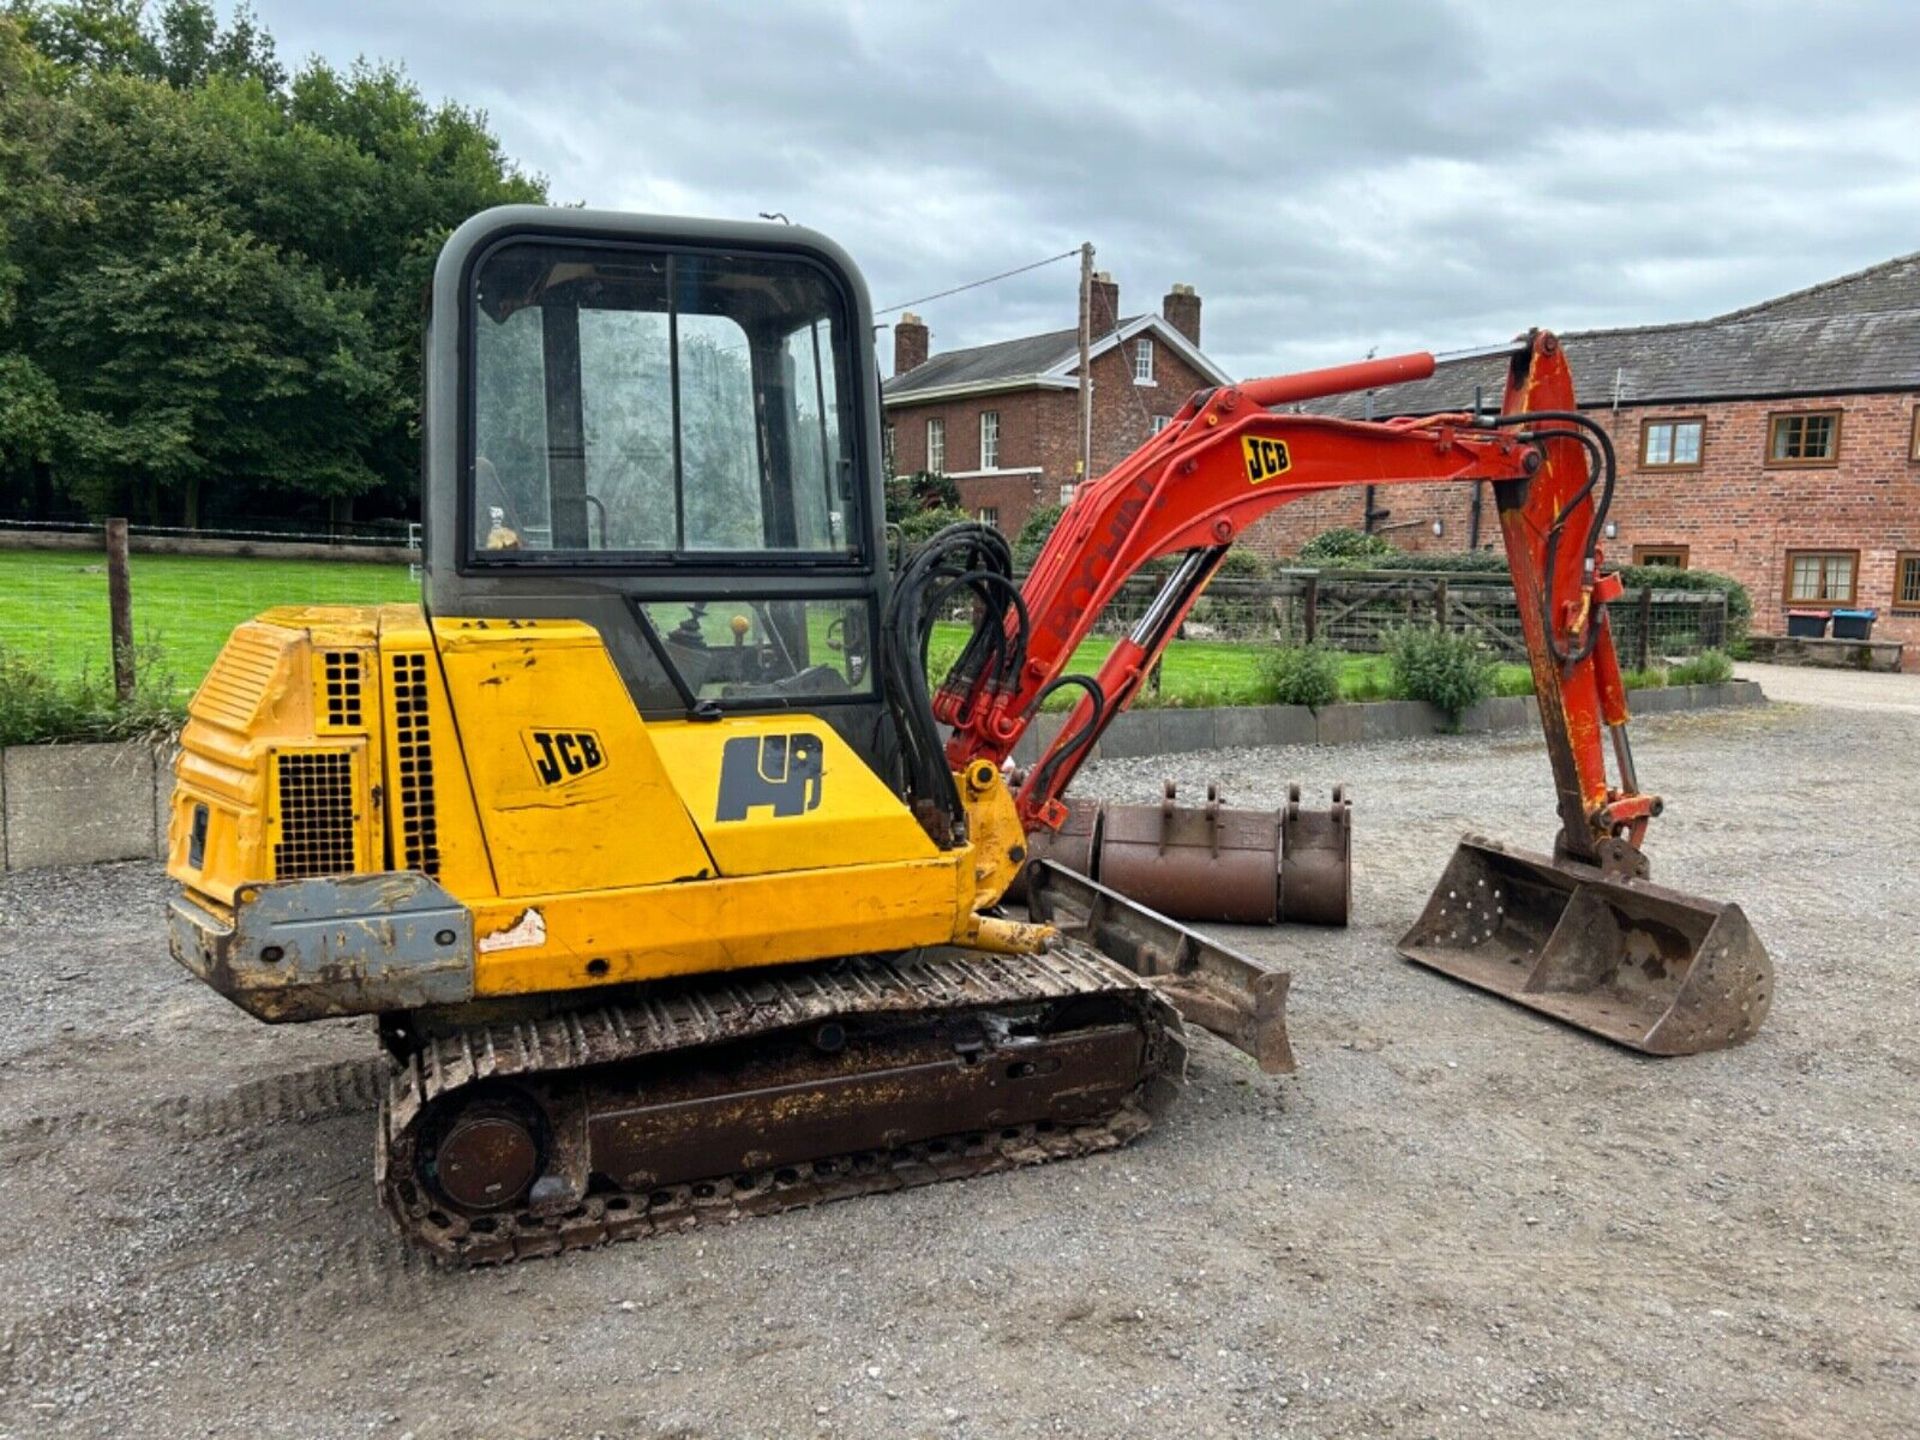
(1332,177)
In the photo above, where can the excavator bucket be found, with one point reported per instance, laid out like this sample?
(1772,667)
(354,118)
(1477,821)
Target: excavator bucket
(1650,968)
(1211,861)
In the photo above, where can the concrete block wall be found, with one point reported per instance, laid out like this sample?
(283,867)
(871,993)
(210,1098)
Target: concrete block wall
(83,804)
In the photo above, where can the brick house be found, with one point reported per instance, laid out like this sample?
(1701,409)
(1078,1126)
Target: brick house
(1779,444)
(1003,420)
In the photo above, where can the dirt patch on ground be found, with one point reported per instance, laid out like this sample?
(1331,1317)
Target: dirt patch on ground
(1457,1220)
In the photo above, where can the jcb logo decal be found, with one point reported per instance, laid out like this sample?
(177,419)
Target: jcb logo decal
(562,755)
(778,770)
(1265,458)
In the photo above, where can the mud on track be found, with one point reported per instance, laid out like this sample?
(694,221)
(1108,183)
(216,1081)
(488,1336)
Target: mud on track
(1457,1220)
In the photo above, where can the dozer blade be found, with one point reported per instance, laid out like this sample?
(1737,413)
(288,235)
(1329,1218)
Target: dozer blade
(1235,996)
(1646,967)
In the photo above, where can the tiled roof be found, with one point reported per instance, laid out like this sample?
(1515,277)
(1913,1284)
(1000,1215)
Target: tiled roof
(1027,358)
(1859,332)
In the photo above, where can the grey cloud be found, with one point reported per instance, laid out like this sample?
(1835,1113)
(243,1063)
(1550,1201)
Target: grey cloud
(1332,177)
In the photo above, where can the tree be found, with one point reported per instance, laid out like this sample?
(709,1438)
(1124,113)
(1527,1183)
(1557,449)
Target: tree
(210,272)
(908,495)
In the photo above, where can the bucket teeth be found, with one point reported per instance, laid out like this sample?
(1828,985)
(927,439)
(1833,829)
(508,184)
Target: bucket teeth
(1650,968)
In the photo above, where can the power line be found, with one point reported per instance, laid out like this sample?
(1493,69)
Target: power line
(976,284)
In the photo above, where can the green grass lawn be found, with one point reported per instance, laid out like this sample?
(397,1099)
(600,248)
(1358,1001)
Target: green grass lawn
(53,603)
(53,607)
(1213,672)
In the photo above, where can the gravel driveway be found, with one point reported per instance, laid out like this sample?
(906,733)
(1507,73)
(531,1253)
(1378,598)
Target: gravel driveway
(1457,1220)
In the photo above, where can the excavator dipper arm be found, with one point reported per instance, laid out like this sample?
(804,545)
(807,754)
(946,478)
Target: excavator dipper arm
(1226,460)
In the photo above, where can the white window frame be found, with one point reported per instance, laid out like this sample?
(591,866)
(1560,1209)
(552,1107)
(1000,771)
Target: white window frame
(989,515)
(1143,360)
(1160,422)
(937,445)
(1067,489)
(989,439)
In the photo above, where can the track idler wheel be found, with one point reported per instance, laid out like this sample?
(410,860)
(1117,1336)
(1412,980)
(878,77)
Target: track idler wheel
(485,1152)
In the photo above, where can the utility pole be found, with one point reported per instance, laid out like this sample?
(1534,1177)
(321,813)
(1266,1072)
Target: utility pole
(1085,466)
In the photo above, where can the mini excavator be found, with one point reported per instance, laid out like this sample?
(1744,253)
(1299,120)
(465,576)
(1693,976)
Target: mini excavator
(674,885)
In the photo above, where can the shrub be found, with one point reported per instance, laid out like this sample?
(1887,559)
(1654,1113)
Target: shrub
(1346,547)
(925,524)
(1242,564)
(1651,679)
(1300,675)
(1709,667)
(1033,535)
(1450,672)
(39,706)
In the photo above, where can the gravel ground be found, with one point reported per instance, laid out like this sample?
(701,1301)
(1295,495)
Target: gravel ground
(1457,1220)
(1839,689)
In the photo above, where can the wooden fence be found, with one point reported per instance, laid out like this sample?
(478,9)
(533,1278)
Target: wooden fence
(1356,610)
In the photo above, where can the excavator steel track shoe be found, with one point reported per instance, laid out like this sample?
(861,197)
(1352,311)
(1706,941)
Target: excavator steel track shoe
(1238,998)
(1650,968)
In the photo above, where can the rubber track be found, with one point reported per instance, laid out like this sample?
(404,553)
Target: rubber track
(688,1015)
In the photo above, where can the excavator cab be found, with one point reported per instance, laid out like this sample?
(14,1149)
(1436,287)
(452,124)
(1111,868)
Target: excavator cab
(666,436)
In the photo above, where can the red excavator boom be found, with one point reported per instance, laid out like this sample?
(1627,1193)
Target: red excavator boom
(1226,460)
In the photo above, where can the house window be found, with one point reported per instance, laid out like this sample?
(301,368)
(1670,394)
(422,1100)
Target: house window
(989,515)
(937,446)
(1160,422)
(1913,451)
(1906,580)
(1067,487)
(1809,439)
(1671,444)
(1674,555)
(1143,361)
(989,439)
(1821,577)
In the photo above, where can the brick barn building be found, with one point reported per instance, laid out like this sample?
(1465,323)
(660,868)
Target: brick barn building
(1779,444)
(1003,420)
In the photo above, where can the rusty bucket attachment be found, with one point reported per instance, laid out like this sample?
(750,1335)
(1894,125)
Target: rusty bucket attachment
(1238,998)
(1200,862)
(1212,862)
(1646,967)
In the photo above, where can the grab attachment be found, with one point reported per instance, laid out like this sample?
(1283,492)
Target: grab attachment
(1235,996)
(1646,967)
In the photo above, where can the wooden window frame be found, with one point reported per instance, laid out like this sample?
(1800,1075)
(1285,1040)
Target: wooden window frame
(1700,420)
(937,425)
(1913,447)
(1851,598)
(1685,552)
(1143,350)
(1902,559)
(1774,417)
(985,416)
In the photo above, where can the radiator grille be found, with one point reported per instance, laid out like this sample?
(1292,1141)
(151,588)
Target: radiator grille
(413,752)
(341,670)
(316,815)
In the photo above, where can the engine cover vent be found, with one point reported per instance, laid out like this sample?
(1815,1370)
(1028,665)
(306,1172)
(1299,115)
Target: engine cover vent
(314,834)
(413,760)
(340,689)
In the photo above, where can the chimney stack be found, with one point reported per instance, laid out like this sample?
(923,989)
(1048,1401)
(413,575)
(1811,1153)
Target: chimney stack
(909,342)
(1181,309)
(1105,299)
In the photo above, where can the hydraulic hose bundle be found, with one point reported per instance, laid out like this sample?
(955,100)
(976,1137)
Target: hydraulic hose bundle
(967,557)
